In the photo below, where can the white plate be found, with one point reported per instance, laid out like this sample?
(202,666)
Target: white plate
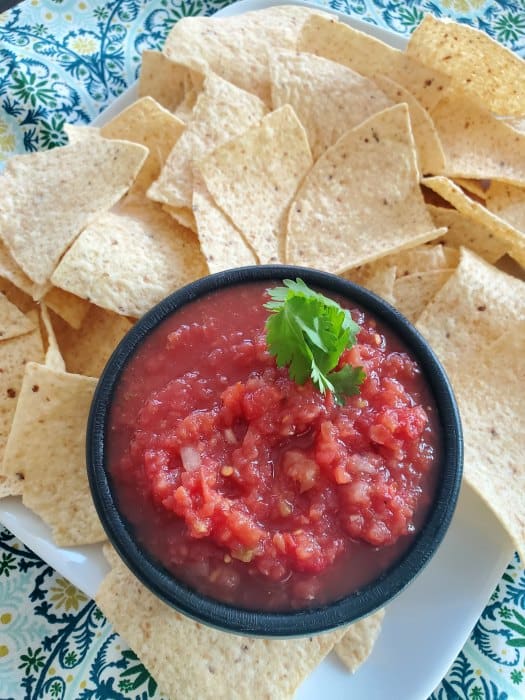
(425,627)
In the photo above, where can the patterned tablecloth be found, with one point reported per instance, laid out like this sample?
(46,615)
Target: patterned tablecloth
(65,60)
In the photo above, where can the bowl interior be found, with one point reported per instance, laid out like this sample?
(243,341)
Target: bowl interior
(312,620)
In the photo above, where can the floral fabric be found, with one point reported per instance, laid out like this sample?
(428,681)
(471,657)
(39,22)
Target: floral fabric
(66,60)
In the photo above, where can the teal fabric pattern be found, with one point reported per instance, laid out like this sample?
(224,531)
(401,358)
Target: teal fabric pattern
(65,61)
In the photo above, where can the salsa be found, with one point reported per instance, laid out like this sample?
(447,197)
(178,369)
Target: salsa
(253,489)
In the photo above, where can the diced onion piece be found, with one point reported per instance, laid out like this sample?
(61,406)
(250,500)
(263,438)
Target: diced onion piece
(191,458)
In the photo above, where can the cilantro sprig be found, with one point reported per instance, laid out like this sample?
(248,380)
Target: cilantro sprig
(309,332)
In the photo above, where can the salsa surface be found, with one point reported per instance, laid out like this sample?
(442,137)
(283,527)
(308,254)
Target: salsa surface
(255,490)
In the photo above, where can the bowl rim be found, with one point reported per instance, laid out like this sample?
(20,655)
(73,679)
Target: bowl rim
(298,623)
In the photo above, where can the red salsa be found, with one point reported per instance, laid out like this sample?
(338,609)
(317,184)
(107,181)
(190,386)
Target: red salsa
(253,489)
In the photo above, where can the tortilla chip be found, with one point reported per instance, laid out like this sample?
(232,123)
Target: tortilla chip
(359,640)
(477,144)
(475,63)
(68,306)
(508,203)
(474,308)
(371,57)
(254,178)
(11,271)
(174,648)
(12,321)
(149,124)
(236,48)
(17,297)
(78,134)
(339,220)
(86,351)
(474,187)
(47,445)
(327,97)
(166,81)
(14,354)
(495,430)
(53,359)
(184,215)
(129,259)
(463,231)
(512,238)
(221,242)
(50,196)
(413,292)
(379,277)
(222,112)
(430,156)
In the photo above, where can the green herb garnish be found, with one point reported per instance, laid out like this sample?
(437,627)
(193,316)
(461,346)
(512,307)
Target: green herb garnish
(308,332)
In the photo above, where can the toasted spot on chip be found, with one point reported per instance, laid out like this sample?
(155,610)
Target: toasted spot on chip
(254,178)
(48,439)
(129,259)
(477,144)
(12,321)
(14,354)
(236,48)
(473,61)
(174,648)
(149,124)
(166,81)
(71,308)
(222,111)
(328,98)
(464,231)
(503,230)
(371,57)
(48,197)
(339,220)
(87,349)
(359,640)
(222,243)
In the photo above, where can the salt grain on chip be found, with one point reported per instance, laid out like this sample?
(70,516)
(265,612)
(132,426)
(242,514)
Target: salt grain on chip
(361,199)
(47,445)
(50,196)
(254,178)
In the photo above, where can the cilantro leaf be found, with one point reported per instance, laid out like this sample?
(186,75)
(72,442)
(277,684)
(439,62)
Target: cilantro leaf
(308,332)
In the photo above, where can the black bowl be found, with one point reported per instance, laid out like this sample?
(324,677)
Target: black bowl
(294,623)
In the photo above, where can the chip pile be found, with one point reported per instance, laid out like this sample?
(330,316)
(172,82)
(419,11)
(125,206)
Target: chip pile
(278,136)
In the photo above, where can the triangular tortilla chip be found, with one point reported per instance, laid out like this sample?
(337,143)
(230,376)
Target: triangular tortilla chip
(166,81)
(87,350)
(14,355)
(513,239)
(9,270)
(50,196)
(371,57)
(413,292)
(71,308)
(220,665)
(508,203)
(17,297)
(222,243)
(327,97)
(430,156)
(361,199)
(47,445)
(236,47)
(254,178)
(53,359)
(78,134)
(12,321)
(474,62)
(464,231)
(129,259)
(222,112)
(477,144)
(359,640)
(149,124)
